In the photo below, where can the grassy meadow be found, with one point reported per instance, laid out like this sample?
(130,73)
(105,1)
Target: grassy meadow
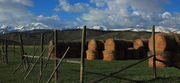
(69,72)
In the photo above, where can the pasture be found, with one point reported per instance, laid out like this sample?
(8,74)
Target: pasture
(94,69)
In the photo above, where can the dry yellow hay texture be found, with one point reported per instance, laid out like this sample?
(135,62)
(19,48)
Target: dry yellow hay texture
(109,55)
(91,55)
(164,56)
(139,43)
(163,42)
(96,45)
(50,49)
(120,47)
(110,44)
(92,45)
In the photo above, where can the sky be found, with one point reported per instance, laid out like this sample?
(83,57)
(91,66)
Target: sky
(106,13)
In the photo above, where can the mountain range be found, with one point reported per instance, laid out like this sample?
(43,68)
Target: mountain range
(41,26)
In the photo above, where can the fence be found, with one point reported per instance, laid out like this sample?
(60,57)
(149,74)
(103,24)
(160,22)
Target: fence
(25,59)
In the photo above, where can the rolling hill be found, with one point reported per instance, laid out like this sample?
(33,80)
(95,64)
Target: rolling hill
(30,37)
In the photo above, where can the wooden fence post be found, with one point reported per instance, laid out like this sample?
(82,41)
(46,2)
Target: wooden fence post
(56,68)
(55,52)
(6,52)
(25,62)
(82,54)
(14,49)
(154,52)
(21,46)
(34,64)
(3,51)
(42,48)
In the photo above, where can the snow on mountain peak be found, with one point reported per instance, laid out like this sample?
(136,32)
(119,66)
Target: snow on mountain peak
(99,28)
(33,26)
(40,25)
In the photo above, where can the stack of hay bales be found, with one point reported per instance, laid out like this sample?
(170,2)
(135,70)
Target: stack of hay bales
(116,49)
(131,53)
(109,53)
(125,49)
(176,57)
(94,51)
(176,60)
(51,49)
(74,51)
(166,48)
(140,48)
(163,56)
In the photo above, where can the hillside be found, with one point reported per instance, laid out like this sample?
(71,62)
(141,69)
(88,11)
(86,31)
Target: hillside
(29,37)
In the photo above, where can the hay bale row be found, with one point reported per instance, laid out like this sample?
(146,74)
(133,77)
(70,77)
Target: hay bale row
(168,57)
(96,45)
(114,44)
(164,56)
(117,47)
(167,45)
(109,55)
(136,49)
(140,44)
(164,42)
(92,55)
(74,51)
(133,53)
(95,48)
(176,59)
(50,49)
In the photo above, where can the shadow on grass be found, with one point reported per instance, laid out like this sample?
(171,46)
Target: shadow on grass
(131,80)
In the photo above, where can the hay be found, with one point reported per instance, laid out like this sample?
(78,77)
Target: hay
(50,47)
(117,44)
(92,45)
(110,44)
(74,51)
(120,47)
(176,59)
(140,44)
(130,53)
(91,55)
(109,55)
(164,56)
(163,42)
(96,45)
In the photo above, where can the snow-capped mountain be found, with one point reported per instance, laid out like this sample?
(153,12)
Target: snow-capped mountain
(19,28)
(41,26)
(157,29)
(32,26)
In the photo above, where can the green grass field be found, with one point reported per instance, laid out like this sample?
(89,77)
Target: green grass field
(69,72)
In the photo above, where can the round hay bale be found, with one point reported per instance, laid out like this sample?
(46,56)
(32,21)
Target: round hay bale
(95,45)
(50,48)
(110,44)
(109,55)
(74,52)
(164,56)
(139,43)
(91,55)
(92,45)
(176,59)
(163,42)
